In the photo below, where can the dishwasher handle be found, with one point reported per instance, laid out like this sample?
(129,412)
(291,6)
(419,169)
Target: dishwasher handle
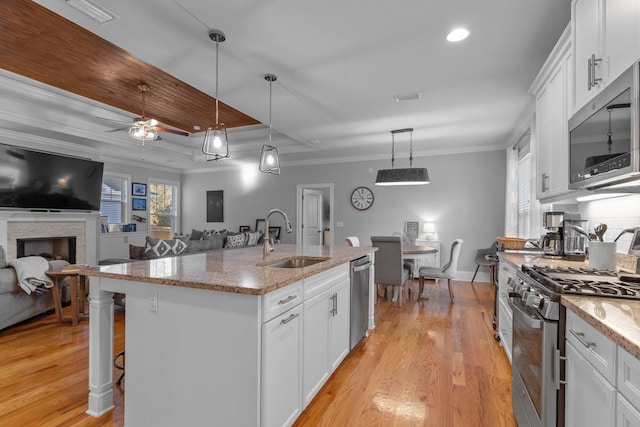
(362,267)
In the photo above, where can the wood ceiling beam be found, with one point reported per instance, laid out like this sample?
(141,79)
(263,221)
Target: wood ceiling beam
(43,46)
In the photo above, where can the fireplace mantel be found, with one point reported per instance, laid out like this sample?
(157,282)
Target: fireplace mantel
(84,225)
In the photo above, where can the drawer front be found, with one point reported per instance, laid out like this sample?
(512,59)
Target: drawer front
(599,350)
(626,414)
(629,377)
(277,302)
(318,283)
(505,329)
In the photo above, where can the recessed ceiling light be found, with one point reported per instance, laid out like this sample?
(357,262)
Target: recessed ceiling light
(458,34)
(93,10)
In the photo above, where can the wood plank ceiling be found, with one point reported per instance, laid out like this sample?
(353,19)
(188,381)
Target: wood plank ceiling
(38,44)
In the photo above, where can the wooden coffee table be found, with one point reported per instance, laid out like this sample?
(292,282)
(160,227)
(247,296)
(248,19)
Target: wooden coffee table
(77,299)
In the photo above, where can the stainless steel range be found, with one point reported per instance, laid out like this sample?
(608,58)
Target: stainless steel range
(538,334)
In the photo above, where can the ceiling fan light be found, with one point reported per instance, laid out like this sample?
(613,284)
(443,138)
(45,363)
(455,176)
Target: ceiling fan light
(269,161)
(215,145)
(143,133)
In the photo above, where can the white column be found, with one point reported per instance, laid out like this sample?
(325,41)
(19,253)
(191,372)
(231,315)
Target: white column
(100,349)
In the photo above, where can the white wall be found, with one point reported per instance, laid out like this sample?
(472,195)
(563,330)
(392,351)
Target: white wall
(465,199)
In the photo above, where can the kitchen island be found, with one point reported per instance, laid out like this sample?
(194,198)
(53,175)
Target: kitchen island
(219,338)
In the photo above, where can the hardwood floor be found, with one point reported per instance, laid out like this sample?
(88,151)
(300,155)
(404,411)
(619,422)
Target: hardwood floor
(430,363)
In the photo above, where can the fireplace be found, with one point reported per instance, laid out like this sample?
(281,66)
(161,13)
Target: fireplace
(51,248)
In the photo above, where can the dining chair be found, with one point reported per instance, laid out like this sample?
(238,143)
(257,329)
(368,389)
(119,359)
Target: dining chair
(390,270)
(447,271)
(353,241)
(486,258)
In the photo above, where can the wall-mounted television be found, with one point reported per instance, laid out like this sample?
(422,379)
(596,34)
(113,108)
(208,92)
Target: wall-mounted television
(34,180)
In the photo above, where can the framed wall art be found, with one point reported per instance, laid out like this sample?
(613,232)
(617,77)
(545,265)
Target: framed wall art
(138,204)
(138,189)
(274,232)
(260,225)
(411,230)
(215,206)
(244,228)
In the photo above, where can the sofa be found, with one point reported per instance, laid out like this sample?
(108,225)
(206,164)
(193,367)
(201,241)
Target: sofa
(197,241)
(15,304)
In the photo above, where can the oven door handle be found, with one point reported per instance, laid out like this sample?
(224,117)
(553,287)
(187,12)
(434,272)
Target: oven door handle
(532,322)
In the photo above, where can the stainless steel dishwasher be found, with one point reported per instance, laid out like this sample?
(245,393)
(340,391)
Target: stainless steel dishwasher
(360,269)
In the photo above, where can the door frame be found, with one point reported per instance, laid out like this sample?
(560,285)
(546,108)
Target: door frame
(299,205)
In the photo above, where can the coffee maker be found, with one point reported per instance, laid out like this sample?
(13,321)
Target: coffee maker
(552,241)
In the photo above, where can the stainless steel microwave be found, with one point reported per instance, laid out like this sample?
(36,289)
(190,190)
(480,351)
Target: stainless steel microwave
(603,135)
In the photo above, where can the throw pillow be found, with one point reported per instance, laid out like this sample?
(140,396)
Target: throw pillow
(253,237)
(158,248)
(235,241)
(217,242)
(196,234)
(136,252)
(3,258)
(207,234)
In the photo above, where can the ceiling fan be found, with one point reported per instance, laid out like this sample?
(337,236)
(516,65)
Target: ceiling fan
(144,128)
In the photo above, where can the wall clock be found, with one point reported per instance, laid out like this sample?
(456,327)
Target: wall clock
(362,198)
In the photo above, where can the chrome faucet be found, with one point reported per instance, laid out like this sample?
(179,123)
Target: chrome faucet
(267,245)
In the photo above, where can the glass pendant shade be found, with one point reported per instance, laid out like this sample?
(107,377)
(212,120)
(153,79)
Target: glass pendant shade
(269,161)
(215,145)
(402,176)
(143,132)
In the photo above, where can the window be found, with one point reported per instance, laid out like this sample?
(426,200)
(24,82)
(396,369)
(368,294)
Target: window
(113,200)
(524,195)
(163,209)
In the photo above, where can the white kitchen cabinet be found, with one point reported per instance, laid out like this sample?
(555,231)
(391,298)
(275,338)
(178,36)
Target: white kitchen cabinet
(339,345)
(326,332)
(506,274)
(626,414)
(116,245)
(590,400)
(282,368)
(551,133)
(586,20)
(607,32)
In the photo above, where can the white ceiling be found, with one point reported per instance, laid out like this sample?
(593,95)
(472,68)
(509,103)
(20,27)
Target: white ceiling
(339,65)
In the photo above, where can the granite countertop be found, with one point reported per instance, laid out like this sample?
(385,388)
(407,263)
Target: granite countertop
(239,270)
(618,319)
(517,259)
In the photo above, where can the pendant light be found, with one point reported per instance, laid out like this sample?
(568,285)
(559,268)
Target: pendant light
(406,176)
(269,162)
(216,144)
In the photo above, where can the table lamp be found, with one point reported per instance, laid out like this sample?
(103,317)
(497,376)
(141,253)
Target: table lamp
(429,228)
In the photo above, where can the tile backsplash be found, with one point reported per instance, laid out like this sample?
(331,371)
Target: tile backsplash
(618,213)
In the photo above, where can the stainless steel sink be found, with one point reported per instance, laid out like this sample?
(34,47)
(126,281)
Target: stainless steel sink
(296,262)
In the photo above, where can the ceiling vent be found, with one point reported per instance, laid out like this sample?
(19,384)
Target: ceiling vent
(407,97)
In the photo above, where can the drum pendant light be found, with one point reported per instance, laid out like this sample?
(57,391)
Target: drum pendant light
(405,176)
(216,145)
(269,162)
